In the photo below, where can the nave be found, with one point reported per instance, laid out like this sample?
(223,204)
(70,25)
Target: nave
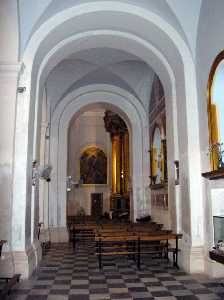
(111,108)
(65,274)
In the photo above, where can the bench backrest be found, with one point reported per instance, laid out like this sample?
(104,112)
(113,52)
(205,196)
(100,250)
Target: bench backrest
(141,237)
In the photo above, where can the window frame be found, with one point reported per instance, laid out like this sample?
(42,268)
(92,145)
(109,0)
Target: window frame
(219,58)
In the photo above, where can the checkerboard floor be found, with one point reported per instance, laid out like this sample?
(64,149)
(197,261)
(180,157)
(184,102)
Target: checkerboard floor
(68,275)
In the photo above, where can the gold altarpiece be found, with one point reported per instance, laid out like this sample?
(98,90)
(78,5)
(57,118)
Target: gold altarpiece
(120,160)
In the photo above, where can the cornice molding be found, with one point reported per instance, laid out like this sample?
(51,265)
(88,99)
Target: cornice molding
(8,69)
(114,123)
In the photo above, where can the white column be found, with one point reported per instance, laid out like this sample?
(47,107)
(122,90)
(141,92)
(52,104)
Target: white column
(21,188)
(26,253)
(190,178)
(8,87)
(42,183)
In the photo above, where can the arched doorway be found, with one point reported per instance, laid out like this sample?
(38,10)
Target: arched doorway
(98,173)
(72,106)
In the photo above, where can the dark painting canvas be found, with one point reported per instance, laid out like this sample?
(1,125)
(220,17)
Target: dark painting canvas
(93,166)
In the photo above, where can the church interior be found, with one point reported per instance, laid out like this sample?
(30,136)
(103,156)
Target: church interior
(111,154)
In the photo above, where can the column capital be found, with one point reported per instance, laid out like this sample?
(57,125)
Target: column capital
(114,124)
(44,124)
(10,69)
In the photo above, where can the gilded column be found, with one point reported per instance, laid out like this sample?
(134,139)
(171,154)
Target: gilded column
(115,163)
(126,162)
(120,158)
(214,137)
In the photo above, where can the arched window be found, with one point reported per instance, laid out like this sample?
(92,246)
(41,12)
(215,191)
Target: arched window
(216,111)
(157,157)
(93,166)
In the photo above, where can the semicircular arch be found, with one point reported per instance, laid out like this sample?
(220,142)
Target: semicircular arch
(76,103)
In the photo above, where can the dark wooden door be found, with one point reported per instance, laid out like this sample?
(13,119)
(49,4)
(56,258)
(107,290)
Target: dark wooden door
(96,205)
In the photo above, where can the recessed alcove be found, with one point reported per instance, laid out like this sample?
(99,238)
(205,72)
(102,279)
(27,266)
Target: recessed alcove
(214,213)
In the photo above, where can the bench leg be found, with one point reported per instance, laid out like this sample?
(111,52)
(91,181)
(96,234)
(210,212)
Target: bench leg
(175,261)
(100,254)
(167,250)
(128,245)
(174,258)
(100,261)
(139,255)
(134,250)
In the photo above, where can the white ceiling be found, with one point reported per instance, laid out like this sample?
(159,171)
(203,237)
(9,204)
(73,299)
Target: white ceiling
(104,56)
(182,14)
(100,66)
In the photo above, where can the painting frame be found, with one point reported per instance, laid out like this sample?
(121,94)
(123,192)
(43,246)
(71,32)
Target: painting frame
(96,171)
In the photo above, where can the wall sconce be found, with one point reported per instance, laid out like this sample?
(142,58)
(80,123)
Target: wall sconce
(70,183)
(177,172)
(21,89)
(34,172)
(47,132)
(39,172)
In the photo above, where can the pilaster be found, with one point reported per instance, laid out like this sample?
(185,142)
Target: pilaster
(9,72)
(191,258)
(59,234)
(21,262)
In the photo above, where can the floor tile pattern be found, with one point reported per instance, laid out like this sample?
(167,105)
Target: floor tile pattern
(66,274)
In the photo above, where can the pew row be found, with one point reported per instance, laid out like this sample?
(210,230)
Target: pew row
(135,245)
(82,232)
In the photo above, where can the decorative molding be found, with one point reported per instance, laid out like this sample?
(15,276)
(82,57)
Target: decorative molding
(25,262)
(9,69)
(114,124)
(160,108)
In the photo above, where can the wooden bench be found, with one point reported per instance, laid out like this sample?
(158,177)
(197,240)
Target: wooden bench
(166,237)
(152,226)
(108,245)
(114,226)
(122,245)
(6,283)
(82,232)
(133,244)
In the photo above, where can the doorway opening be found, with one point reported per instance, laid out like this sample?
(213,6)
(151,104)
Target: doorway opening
(98,169)
(96,205)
